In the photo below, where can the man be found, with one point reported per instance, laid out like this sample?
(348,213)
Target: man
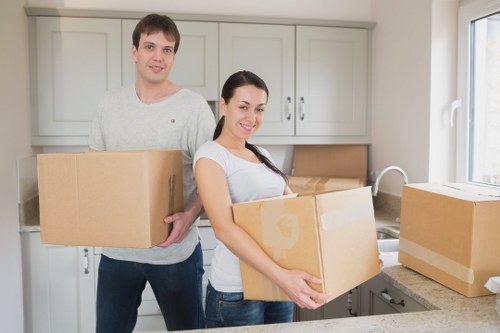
(154,113)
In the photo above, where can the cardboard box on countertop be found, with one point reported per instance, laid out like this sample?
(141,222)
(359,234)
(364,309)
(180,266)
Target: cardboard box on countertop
(320,168)
(116,199)
(339,161)
(330,235)
(311,185)
(451,234)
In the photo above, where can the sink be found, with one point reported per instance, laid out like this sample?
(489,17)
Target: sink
(388,239)
(388,245)
(383,234)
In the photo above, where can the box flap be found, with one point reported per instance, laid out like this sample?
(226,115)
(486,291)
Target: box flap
(462,191)
(312,185)
(343,161)
(347,236)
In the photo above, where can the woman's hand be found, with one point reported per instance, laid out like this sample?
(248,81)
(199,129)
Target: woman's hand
(294,283)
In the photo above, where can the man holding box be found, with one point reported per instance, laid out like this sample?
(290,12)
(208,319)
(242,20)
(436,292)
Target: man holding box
(154,113)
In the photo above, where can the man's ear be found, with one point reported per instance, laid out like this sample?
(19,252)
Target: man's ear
(133,52)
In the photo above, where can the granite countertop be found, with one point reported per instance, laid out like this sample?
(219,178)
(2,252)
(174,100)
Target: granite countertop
(449,310)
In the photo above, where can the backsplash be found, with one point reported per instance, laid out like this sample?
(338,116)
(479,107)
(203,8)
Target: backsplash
(388,203)
(29,211)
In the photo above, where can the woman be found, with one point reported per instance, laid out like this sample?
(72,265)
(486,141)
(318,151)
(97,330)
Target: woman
(230,170)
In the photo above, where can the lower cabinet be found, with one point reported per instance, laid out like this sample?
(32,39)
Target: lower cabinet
(59,287)
(60,284)
(380,297)
(345,305)
(374,297)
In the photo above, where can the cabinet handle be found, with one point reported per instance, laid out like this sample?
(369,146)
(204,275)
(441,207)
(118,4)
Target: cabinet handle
(288,108)
(85,261)
(302,108)
(385,294)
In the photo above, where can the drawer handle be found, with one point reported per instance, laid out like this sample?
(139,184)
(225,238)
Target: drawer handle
(385,295)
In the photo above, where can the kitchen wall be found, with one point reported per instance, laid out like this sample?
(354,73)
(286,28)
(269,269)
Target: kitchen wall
(413,85)
(14,144)
(413,82)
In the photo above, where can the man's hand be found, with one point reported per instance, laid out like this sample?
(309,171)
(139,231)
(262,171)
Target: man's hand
(181,222)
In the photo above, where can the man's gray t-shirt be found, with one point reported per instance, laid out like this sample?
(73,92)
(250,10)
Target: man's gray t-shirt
(181,121)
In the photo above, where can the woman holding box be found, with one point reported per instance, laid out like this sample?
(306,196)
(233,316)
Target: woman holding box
(230,170)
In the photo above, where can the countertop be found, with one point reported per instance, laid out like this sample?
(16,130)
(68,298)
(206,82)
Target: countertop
(449,310)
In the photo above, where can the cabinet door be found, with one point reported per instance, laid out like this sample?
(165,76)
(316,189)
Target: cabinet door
(59,287)
(331,77)
(268,51)
(78,59)
(336,308)
(196,61)
(376,296)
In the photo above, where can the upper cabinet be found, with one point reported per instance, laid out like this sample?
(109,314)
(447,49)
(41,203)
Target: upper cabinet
(331,81)
(269,52)
(195,64)
(317,78)
(317,75)
(77,60)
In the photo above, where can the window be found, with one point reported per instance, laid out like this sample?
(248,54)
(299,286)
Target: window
(478,140)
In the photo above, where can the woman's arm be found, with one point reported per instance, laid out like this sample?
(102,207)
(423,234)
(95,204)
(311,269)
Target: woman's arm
(214,192)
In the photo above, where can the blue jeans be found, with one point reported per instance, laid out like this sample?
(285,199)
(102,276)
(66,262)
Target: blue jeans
(230,309)
(177,289)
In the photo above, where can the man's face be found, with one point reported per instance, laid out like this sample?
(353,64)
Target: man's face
(154,57)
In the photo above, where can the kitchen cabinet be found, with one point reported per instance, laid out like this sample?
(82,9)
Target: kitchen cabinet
(208,243)
(331,81)
(317,77)
(59,288)
(269,52)
(337,308)
(60,285)
(373,297)
(75,61)
(196,61)
(380,297)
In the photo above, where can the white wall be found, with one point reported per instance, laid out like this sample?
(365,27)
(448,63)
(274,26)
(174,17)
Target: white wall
(414,66)
(14,144)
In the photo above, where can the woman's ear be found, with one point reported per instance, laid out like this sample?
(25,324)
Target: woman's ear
(222,106)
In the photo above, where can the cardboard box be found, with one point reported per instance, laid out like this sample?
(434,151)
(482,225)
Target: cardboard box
(340,161)
(114,199)
(330,235)
(451,234)
(312,185)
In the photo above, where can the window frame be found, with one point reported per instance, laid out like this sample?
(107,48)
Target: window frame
(467,13)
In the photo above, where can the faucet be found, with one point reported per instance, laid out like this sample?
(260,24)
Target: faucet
(389,168)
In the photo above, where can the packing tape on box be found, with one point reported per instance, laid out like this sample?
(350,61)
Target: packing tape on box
(340,217)
(437,260)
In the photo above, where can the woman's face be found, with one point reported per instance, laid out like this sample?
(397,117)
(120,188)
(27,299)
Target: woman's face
(244,112)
